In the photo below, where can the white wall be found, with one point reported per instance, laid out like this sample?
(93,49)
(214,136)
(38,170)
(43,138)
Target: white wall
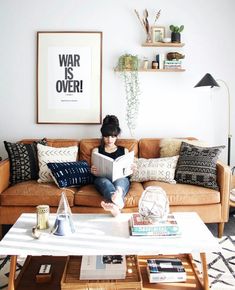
(169,105)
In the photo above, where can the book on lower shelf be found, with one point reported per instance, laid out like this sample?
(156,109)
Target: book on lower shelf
(113,169)
(140,226)
(103,267)
(165,270)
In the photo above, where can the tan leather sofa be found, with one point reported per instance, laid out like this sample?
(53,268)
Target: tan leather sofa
(211,205)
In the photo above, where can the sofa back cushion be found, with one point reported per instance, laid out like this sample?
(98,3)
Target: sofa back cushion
(150,147)
(87,145)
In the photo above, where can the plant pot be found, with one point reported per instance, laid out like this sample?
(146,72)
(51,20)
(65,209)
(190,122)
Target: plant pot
(175,37)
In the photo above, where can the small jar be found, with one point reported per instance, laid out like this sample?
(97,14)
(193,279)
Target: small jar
(154,64)
(43,217)
(145,64)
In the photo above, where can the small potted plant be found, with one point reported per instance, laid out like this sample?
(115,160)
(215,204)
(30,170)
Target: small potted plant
(175,33)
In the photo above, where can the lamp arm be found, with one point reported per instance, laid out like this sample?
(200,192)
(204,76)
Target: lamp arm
(229,106)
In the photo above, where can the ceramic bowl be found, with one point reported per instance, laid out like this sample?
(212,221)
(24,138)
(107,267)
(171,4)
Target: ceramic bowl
(166,39)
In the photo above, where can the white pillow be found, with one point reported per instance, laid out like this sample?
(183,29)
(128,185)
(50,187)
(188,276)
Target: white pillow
(48,154)
(171,147)
(161,169)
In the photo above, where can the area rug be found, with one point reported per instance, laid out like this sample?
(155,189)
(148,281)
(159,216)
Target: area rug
(221,266)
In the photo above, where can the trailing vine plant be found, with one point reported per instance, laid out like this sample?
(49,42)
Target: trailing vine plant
(128,66)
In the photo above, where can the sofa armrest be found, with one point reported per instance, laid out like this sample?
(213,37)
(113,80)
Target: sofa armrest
(223,180)
(4,174)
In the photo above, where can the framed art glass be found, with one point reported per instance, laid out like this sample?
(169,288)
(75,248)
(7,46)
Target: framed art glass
(69,77)
(158,33)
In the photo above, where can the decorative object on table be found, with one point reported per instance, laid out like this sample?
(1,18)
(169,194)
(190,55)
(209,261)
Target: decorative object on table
(44,273)
(154,204)
(165,270)
(63,223)
(103,267)
(208,80)
(174,55)
(128,66)
(145,23)
(140,226)
(175,33)
(43,212)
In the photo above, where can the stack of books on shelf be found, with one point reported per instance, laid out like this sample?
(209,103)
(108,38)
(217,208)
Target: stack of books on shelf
(165,270)
(140,226)
(172,64)
(103,267)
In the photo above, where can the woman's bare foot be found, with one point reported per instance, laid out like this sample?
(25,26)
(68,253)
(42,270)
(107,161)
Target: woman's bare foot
(117,198)
(113,208)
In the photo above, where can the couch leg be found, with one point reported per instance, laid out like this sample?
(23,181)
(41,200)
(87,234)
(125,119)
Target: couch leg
(220,230)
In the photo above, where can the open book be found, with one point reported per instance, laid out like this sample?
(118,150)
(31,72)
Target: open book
(113,169)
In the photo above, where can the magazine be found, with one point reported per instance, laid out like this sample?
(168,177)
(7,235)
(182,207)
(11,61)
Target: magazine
(113,169)
(145,227)
(103,267)
(165,270)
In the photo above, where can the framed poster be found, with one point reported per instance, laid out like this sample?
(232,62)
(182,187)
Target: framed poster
(69,77)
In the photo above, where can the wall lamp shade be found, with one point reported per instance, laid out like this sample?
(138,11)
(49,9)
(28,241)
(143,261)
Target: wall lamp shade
(209,81)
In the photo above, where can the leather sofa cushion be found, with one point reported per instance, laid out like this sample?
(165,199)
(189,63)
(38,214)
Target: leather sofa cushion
(150,147)
(88,196)
(32,193)
(186,194)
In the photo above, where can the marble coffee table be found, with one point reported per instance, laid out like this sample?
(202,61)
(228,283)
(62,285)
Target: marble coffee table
(102,234)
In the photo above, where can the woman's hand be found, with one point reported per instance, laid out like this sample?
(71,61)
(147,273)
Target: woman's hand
(94,170)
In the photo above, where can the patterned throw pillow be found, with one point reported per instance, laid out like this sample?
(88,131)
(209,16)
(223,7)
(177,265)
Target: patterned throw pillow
(161,169)
(23,161)
(48,154)
(197,165)
(71,173)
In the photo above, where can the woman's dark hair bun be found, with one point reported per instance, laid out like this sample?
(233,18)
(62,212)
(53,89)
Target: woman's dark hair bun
(111,120)
(110,126)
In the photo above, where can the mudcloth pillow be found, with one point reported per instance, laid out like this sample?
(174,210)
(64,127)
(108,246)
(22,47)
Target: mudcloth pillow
(71,173)
(23,160)
(47,154)
(161,169)
(197,165)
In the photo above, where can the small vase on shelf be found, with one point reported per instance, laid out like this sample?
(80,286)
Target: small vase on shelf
(148,38)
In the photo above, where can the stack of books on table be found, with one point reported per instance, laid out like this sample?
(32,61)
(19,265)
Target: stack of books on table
(103,267)
(140,226)
(172,64)
(165,270)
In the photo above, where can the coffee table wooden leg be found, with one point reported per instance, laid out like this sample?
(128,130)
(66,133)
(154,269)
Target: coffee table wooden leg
(11,281)
(204,271)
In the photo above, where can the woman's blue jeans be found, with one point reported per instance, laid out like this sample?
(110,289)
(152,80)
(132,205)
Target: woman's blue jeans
(107,187)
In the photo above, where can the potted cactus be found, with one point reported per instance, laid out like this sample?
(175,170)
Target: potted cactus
(175,33)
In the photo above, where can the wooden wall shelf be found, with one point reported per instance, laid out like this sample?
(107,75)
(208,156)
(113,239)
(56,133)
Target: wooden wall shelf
(163,44)
(156,70)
